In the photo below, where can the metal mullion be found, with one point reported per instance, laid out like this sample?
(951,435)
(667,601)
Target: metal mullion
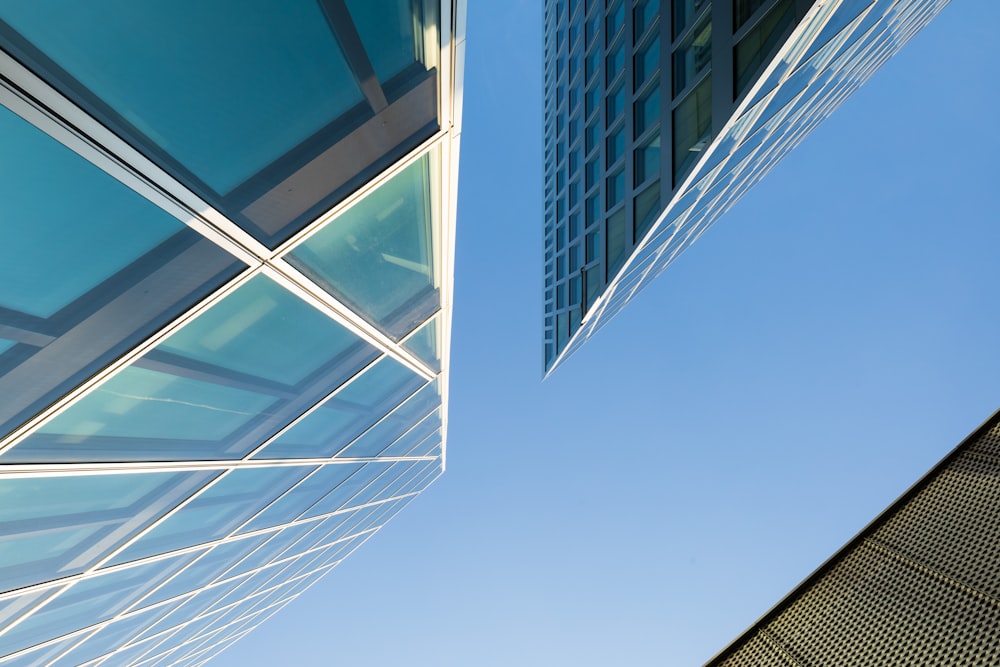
(360,193)
(294,281)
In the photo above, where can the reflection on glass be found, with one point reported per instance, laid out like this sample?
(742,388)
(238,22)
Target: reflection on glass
(289,506)
(90,601)
(271,72)
(692,57)
(216,388)
(205,570)
(384,433)
(346,414)
(381,254)
(425,343)
(217,511)
(122,268)
(685,12)
(392,32)
(754,50)
(647,208)
(296,90)
(57,526)
(692,128)
(618,242)
(340,497)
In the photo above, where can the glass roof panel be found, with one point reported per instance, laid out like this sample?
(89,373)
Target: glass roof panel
(217,511)
(52,527)
(380,255)
(215,389)
(75,296)
(347,413)
(425,344)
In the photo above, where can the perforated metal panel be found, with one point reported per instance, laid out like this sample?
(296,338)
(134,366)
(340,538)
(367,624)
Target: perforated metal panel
(919,586)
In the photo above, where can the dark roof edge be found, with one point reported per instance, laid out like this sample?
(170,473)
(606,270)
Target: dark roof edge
(827,565)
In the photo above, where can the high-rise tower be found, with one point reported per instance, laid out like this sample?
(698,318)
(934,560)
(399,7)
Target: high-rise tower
(660,114)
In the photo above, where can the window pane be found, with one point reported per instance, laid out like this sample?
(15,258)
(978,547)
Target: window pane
(425,345)
(692,57)
(617,242)
(647,61)
(647,160)
(685,11)
(754,50)
(271,72)
(90,601)
(302,496)
(347,414)
(215,389)
(692,128)
(391,32)
(53,527)
(384,433)
(647,208)
(124,266)
(647,111)
(217,511)
(281,82)
(380,255)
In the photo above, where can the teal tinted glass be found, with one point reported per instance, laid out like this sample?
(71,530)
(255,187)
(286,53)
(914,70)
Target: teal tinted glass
(271,72)
(90,601)
(40,249)
(263,331)
(90,266)
(217,511)
(392,32)
(215,389)
(289,506)
(346,414)
(57,526)
(384,433)
(380,255)
(425,344)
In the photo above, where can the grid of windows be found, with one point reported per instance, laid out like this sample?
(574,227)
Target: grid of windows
(729,85)
(223,346)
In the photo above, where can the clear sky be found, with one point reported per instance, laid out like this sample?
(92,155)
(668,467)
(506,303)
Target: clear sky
(826,343)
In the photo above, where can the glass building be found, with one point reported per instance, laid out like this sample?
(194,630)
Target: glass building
(225,305)
(729,86)
(918,586)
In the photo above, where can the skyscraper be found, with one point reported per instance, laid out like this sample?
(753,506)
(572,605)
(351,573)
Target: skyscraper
(224,308)
(725,87)
(918,586)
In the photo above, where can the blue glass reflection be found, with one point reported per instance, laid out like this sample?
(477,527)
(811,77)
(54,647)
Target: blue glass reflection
(380,254)
(347,414)
(57,526)
(217,511)
(215,389)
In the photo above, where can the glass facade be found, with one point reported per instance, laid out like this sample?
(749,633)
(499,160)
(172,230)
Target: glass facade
(225,309)
(728,85)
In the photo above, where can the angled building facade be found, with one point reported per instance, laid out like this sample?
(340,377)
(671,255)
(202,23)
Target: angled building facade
(660,114)
(918,586)
(225,308)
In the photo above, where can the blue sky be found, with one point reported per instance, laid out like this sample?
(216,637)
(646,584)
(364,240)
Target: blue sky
(818,350)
